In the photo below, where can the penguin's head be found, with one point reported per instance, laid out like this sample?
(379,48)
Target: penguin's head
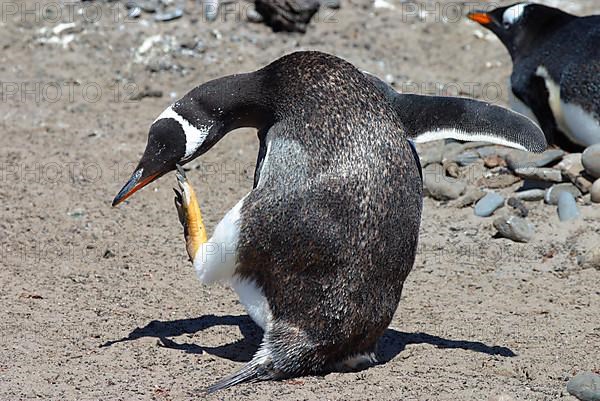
(519,25)
(172,140)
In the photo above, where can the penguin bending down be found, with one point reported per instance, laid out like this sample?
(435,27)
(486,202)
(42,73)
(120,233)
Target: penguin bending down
(319,249)
(556,69)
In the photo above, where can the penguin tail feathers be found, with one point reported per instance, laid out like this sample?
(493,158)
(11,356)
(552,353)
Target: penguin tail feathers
(258,369)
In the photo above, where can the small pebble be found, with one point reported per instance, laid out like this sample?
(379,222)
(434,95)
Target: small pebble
(168,16)
(591,160)
(492,161)
(530,195)
(590,259)
(487,205)
(595,191)
(439,186)
(466,158)
(585,386)
(552,193)
(515,228)
(519,206)
(471,196)
(567,207)
(540,173)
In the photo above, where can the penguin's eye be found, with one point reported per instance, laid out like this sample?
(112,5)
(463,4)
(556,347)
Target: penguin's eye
(506,25)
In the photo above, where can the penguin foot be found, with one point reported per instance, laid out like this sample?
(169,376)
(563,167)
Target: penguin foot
(189,214)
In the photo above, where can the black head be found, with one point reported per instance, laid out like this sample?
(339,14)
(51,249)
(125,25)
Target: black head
(521,25)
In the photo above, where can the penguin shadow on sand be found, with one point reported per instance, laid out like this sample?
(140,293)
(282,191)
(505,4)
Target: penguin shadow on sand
(392,343)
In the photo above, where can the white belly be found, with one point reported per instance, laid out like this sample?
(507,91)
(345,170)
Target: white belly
(254,301)
(577,124)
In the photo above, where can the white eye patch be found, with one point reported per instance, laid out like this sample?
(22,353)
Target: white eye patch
(194,136)
(514,13)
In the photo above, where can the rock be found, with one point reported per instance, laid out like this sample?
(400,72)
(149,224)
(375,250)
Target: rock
(571,162)
(567,207)
(439,186)
(595,191)
(431,154)
(452,169)
(590,259)
(530,195)
(471,196)
(333,4)
(466,158)
(168,15)
(519,206)
(518,159)
(488,204)
(492,161)
(253,15)
(552,193)
(585,386)
(572,168)
(591,160)
(515,228)
(540,173)
(499,181)
(287,15)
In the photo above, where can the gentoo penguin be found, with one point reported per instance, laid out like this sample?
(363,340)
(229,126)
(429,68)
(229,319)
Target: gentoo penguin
(319,249)
(556,69)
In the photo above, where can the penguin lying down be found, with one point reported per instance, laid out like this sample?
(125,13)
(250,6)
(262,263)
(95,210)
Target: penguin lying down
(319,249)
(556,68)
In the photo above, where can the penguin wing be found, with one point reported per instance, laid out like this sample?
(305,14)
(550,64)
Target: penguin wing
(429,118)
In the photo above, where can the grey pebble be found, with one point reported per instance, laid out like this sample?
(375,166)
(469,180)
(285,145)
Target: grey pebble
(585,386)
(590,259)
(552,193)
(540,173)
(439,186)
(515,228)
(567,207)
(591,160)
(471,196)
(518,159)
(488,204)
(466,158)
(595,191)
(169,15)
(519,206)
(530,195)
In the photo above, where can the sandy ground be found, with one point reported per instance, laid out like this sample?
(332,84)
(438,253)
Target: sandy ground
(100,303)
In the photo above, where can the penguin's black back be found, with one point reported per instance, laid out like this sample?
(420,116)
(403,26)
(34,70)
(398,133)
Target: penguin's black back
(330,232)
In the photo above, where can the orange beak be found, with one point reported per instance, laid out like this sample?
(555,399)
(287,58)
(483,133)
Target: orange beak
(133,186)
(482,18)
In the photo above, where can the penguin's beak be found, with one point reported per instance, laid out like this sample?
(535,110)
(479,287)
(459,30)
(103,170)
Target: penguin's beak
(137,181)
(480,17)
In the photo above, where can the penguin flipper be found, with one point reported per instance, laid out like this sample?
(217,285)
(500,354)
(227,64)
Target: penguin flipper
(429,118)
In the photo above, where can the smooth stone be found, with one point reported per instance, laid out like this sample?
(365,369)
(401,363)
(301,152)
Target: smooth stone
(552,193)
(466,158)
(571,163)
(430,153)
(499,181)
(595,191)
(591,160)
(518,205)
(487,205)
(520,159)
(471,196)
(540,173)
(439,186)
(590,259)
(567,207)
(169,16)
(493,161)
(515,228)
(585,386)
(530,195)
